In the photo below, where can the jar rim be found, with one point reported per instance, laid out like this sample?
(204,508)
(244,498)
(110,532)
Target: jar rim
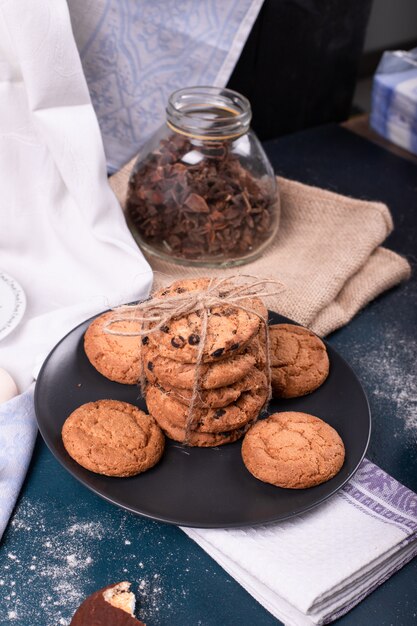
(204,112)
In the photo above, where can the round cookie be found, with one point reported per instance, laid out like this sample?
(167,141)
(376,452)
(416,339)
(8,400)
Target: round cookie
(113,438)
(299,360)
(213,398)
(198,439)
(234,415)
(293,450)
(222,373)
(116,357)
(229,328)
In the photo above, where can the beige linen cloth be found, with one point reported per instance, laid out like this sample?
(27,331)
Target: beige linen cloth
(327,253)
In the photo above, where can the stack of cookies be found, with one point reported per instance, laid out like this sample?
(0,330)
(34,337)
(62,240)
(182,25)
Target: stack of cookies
(222,376)
(206,383)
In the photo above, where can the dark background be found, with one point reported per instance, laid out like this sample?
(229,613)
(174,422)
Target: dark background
(311,62)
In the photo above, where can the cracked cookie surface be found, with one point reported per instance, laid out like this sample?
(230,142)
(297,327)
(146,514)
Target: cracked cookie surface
(293,450)
(212,375)
(221,397)
(113,438)
(199,439)
(299,360)
(246,408)
(116,357)
(229,328)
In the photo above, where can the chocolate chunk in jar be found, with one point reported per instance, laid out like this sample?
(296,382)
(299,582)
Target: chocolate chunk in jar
(212,208)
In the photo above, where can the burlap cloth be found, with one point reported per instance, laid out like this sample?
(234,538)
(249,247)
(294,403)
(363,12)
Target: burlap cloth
(327,253)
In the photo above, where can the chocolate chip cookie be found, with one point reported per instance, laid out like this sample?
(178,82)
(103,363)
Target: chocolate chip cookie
(167,372)
(293,450)
(235,415)
(214,398)
(199,439)
(229,327)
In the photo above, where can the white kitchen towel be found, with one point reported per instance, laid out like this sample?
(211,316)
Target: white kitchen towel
(317,566)
(62,233)
(136,53)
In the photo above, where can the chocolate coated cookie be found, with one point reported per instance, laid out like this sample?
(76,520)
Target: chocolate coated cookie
(111,606)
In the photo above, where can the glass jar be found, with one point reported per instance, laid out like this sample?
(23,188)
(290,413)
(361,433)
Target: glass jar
(202,191)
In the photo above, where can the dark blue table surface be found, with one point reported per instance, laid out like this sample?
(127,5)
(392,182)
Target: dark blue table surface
(64,542)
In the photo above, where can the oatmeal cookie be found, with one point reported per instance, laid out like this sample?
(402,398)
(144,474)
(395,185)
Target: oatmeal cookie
(214,398)
(299,360)
(293,450)
(116,357)
(113,438)
(199,439)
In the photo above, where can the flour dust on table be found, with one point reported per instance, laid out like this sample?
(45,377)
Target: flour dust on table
(64,564)
(386,369)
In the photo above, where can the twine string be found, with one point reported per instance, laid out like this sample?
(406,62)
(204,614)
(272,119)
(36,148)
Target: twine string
(197,378)
(154,313)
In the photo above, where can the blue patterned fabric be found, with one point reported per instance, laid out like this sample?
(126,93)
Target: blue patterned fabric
(17,436)
(135,53)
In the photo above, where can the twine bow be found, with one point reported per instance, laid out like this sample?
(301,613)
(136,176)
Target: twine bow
(156,312)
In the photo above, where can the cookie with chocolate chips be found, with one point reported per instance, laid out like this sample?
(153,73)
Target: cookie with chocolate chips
(299,360)
(216,398)
(170,373)
(199,439)
(229,328)
(162,405)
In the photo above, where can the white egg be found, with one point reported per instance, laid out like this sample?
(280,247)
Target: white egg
(8,387)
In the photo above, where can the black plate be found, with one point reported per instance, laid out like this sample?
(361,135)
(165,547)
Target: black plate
(200,487)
